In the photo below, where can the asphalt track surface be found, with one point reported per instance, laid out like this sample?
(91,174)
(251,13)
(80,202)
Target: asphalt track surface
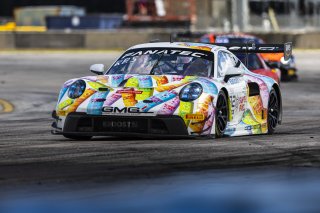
(30,155)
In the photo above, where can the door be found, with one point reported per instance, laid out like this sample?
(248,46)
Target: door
(236,86)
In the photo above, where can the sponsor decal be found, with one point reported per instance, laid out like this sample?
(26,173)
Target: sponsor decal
(124,110)
(129,92)
(131,55)
(254,48)
(222,40)
(237,103)
(166,52)
(121,124)
(98,100)
(253,127)
(196,117)
(233,81)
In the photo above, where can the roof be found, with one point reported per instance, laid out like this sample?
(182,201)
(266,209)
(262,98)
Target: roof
(184,45)
(238,37)
(232,38)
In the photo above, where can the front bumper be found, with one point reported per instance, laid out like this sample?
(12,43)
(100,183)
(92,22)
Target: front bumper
(82,124)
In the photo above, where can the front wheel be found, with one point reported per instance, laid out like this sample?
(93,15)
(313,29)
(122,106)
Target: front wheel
(273,111)
(77,137)
(221,114)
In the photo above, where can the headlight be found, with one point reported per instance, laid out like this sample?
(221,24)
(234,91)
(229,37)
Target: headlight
(76,89)
(190,92)
(284,62)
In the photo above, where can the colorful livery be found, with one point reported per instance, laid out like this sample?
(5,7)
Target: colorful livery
(169,89)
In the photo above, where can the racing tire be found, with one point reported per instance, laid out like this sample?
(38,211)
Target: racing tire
(77,137)
(221,114)
(273,111)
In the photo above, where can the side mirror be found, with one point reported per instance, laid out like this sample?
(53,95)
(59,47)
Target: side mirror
(98,69)
(232,72)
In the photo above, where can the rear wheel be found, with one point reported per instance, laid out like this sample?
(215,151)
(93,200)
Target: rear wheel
(221,114)
(273,111)
(77,137)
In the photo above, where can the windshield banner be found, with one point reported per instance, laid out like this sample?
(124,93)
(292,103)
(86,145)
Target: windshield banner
(169,51)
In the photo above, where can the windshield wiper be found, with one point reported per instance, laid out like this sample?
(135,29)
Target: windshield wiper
(156,64)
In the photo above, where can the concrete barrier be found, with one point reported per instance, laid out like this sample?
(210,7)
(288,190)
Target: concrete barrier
(123,39)
(50,40)
(7,41)
(308,41)
(114,40)
(302,41)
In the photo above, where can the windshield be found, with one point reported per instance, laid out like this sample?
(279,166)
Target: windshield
(164,62)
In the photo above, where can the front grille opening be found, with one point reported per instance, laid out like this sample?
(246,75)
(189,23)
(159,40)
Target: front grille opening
(112,125)
(157,126)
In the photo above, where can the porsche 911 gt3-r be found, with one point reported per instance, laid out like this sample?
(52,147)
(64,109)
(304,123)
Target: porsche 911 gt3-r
(169,89)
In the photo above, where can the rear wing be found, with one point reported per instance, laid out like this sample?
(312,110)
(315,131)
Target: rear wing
(285,48)
(247,47)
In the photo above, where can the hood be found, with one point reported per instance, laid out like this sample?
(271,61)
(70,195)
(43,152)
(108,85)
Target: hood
(138,81)
(157,94)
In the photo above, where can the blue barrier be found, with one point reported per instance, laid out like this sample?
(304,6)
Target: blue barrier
(99,22)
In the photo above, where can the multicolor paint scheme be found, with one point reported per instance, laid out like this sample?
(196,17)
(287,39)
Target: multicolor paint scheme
(247,115)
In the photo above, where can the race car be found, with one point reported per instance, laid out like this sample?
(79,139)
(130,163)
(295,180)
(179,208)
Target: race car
(274,61)
(288,68)
(170,89)
(255,63)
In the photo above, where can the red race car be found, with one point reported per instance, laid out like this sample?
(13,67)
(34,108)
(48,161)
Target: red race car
(274,63)
(255,62)
(257,65)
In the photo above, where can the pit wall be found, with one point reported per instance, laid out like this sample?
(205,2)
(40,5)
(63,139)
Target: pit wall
(124,39)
